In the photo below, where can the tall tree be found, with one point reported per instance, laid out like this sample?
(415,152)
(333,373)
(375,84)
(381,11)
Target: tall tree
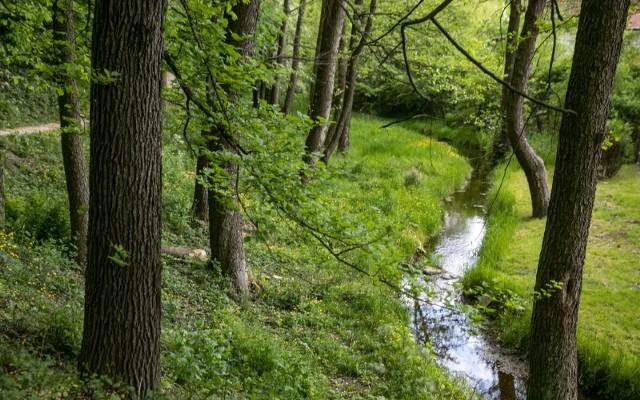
(122,289)
(70,122)
(552,351)
(225,221)
(295,63)
(282,42)
(341,76)
(200,203)
(344,116)
(501,140)
(531,163)
(333,13)
(2,200)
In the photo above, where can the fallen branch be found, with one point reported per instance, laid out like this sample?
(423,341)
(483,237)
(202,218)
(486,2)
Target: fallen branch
(198,254)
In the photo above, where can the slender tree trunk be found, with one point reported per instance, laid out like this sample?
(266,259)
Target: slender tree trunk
(2,199)
(344,137)
(282,42)
(225,221)
(552,353)
(344,118)
(70,122)
(295,63)
(638,151)
(341,81)
(325,66)
(318,51)
(501,141)
(121,338)
(200,204)
(531,163)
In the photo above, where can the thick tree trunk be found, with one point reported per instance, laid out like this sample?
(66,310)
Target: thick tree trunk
(122,289)
(70,122)
(200,204)
(552,352)
(344,118)
(225,221)
(282,42)
(325,66)
(295,63)
(501,141)
(531,163)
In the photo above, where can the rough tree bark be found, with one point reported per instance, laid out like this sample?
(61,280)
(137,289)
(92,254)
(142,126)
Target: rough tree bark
(200,204)
(282,42)
(344,117)
(501,141)
(225,221)
(552,352)
(70,122)
(295,63)
(121,336)
(325,67)
(531,163)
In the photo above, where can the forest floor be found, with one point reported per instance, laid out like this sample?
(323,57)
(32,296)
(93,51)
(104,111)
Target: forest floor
(609,323)
(314,329)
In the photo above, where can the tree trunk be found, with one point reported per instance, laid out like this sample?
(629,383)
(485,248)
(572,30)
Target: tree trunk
(282,42)
(531,163)
(341,79)
(200,204)
(325,66)
(638,151)
(121,337)
(295,63)
(344,118)
(552,352)
(344,138)
(225,221)
(501,141)
(2,199)
(70,122)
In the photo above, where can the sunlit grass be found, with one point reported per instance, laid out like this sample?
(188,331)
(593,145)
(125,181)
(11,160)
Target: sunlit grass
(609,323)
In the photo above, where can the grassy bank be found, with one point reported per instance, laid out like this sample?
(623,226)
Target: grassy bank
(314,329)
(608,326)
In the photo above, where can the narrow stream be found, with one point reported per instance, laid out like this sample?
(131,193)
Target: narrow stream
(458,345)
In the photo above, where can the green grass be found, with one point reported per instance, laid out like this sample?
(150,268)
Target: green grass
(608,325)
(314,330)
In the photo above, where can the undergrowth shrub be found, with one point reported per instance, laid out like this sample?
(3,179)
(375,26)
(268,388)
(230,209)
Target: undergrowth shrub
(40,215)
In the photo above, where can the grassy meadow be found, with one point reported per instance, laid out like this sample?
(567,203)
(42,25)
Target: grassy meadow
(609,323)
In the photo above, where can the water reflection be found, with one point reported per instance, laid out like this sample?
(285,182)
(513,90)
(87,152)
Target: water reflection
(456,343)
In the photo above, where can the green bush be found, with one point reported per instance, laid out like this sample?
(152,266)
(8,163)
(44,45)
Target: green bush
(42,216)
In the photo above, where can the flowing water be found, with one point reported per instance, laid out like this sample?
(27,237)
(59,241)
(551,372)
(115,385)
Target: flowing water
(458,344)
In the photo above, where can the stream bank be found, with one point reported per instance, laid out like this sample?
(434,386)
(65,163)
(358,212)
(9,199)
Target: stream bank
(459,346)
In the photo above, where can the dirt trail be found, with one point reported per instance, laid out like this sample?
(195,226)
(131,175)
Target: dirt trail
(24,130)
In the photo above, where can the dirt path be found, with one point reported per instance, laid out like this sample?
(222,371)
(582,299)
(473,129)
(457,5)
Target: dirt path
(23,130)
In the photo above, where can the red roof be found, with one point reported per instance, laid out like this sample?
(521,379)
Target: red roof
(634,21)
